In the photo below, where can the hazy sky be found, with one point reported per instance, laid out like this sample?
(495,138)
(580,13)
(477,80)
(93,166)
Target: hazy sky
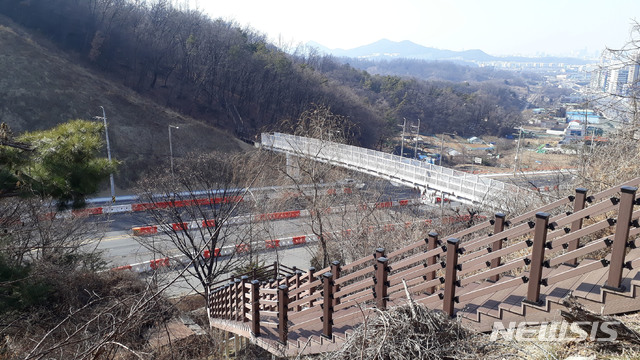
(498,27)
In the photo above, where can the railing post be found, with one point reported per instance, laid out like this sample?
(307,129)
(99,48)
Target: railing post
(335,270)
(450,280)
(229,300)
(275,269)
(238,301)
(327,306)
(432,243)
(578,204)
(310,277)
(498,227)
(255,307)
(283,308)
(297,282)
(381,283)
(537,258)
(619,246)
(272,285)
(243,293)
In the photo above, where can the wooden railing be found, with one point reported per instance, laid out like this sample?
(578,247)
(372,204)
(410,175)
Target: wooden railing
(469,264)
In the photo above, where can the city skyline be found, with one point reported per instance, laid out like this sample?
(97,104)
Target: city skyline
(497,27)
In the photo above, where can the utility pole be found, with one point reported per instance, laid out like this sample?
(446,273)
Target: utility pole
(442,145)
(515,163)
(106,134)
(404,124)
(415,150)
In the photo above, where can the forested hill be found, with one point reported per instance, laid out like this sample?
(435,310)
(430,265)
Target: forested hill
(232,78)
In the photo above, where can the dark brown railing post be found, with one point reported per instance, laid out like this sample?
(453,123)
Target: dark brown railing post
(238,300)
(619,246)
(335,270)
(244,280)
(283,308)
(224,301)
(255,307)
(432,243)
(537,258)
(498,227)
(450,280)
(272,285)
(275,269)
(229,300)
(310,277)
(381,283)
(298,283)
(578,204)
(327,306)
(379,253)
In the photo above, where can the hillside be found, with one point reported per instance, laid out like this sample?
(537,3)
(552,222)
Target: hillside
(151,66)
(41,87)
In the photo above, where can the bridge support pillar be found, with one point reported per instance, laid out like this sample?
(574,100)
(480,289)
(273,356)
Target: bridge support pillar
(292,167)
(537,258)
(498,227)
(451,279)
(578,204)
(619,246)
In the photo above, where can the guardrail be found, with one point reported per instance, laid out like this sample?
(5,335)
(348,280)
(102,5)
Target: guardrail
(469,264)
(464,187)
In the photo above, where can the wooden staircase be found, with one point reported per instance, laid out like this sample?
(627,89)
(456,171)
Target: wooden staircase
(503,270)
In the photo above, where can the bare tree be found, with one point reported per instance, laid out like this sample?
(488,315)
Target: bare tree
(202,212)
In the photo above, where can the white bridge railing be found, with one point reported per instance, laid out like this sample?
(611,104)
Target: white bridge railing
(458,185)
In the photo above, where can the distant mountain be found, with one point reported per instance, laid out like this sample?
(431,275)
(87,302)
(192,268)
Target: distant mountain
(387,50)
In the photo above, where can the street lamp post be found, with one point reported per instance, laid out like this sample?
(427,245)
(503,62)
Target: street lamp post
(171,148)
(106,134)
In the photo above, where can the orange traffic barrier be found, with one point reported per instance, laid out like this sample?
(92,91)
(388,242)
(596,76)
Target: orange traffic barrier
(209,223)
(124,267)
(87,212)
(272,244)
(145,230)
(297,240)
(180,226)
(382,205)
(241,248)
(158,263)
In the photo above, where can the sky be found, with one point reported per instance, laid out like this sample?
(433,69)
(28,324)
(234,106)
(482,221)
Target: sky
(498,27)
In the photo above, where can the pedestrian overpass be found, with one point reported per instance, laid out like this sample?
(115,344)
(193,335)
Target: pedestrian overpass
(432,180)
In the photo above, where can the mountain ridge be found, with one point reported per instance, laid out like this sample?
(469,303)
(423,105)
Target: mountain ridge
(385,49)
